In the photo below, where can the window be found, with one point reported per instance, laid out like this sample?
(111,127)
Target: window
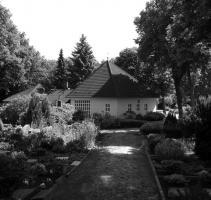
(59,103)
(129,107)
(145,107)
(83,105)
(107,108)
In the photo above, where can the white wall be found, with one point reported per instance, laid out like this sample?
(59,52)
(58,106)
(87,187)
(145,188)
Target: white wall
(119,106)
(98,105)
(123,105)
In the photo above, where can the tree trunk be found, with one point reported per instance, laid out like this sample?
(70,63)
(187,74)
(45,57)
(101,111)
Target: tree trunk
(177,84)
(192,96)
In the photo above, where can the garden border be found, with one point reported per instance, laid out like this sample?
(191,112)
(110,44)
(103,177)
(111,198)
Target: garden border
(154,173)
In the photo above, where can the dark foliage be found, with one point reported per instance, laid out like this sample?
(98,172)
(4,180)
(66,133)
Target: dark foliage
(171,127)
(78,115)
(154,116)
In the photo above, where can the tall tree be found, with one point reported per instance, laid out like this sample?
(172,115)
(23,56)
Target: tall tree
(128,60)
(60,74)
(83,61)
(167,38)
(11,68)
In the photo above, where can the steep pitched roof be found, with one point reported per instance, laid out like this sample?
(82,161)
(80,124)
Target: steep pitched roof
(109,80)
(38,88)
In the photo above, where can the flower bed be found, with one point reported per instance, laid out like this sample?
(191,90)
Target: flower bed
(181,176)
(37,158)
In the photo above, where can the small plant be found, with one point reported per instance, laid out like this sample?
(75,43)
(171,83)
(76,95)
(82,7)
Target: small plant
(170,150)
(173,166)
(139,117)
(154,116)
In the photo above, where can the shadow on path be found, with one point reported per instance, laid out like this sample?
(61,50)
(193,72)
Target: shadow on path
(117,170)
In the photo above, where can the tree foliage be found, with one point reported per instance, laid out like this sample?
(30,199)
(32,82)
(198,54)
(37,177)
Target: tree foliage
(171,39)
(82,62)
(21,65)
(60,75)
(128,60)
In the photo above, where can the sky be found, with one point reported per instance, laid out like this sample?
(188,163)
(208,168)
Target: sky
(54,24)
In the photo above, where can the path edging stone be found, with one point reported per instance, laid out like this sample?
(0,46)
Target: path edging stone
(154,173)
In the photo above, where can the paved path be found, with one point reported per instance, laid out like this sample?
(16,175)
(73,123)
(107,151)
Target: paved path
(117,170)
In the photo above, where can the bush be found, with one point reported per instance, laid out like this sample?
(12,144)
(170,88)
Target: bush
(171,127)
(153,140)
(175,180)
(38,112)
(173,166)
(79,115)
(129,115)
(12,173)
(10,112)
(152,127)
(154,116)
(130,123)
(62,114)
(170,150)
(188,124)
(98,118)
(203,128)
(109,122)
(38,169)
(139,117)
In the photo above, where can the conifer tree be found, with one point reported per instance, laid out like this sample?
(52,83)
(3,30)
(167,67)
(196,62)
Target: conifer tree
(60,74)
(83,61)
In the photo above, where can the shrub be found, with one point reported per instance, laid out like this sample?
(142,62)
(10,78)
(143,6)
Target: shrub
(188,124)
(173,166)
(170,150)
(175,179)
(203,128)
(171,127)
(109,122)
(62,114)
(152,127)
(139,117)
(129,115)
(38,169)
(10,112)
(154,116)
(153,140)
(12,173)
(129,123)
(98,118)
(78,115)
